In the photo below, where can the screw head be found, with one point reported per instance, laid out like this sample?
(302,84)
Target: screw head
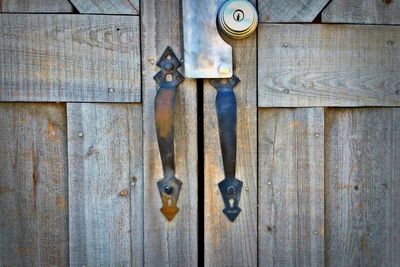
(169,189)
(123,193)
(316,135)
(230,190)
(168,66)
(269,183)
(80,134)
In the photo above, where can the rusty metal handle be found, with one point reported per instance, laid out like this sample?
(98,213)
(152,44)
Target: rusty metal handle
(164,107)
(226,107)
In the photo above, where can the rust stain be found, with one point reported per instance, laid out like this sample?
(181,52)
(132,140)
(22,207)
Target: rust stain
(363,245)
(322,231)
(22,251)
(5,189)
(340,186)
(294,124)
(164,115)
(51,132)
(61,202)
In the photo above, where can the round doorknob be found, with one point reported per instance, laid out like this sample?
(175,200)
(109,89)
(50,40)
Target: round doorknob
(237,18)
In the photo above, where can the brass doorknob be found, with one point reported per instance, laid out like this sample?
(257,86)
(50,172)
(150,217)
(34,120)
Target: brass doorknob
(238,19)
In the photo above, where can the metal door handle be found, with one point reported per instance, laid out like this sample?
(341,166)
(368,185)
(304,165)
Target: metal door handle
(168,78)
(226,107)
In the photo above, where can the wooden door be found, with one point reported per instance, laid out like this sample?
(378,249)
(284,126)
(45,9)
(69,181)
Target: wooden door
(318,135)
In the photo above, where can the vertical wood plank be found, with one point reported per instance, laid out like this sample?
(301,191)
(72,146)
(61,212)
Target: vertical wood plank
(36,6)
(362,11)
(33,185)
(363,187)
(121,7)
(291,187)
(290,10)
(232,243)
(105,184)
(169,243)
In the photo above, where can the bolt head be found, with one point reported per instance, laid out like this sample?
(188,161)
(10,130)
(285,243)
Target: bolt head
(230,190)
(224,69)
(123,193)
(169,189)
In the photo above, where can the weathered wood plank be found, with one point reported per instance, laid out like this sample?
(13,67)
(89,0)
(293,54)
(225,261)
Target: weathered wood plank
(362,156)
(290,10)
(227,243)
(105,184)
(136,5)
(170,243)
(291,187)
(328,65)
(362,11)
(36,6)
(33,185)
(107,6)
(69,58)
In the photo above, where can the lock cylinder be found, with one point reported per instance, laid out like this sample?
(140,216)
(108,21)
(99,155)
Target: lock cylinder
(238,19)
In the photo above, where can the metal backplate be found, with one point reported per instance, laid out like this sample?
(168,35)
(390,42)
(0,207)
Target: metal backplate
(206,54)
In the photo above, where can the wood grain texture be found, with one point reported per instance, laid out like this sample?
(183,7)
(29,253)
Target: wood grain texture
(36,6)
(121,7)
(290,10)
(69,58)
(362,187)
(291,187)
(33,185)
(362,11)
(105,184)
(229,243)
(136,5)
(328,65)
(168,243)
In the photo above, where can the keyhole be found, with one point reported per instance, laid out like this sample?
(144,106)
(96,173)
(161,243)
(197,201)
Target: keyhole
(231,202)
(238,15)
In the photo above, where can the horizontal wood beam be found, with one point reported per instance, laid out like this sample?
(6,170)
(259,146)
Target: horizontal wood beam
(127,7)
(36,6)
(362,11)
(328,65)
(69,58)
(289,10)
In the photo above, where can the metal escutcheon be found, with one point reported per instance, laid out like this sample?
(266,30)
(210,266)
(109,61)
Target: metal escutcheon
(238,19)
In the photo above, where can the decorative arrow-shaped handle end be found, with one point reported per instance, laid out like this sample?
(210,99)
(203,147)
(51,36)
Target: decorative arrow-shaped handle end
(169,191)
(231,188)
